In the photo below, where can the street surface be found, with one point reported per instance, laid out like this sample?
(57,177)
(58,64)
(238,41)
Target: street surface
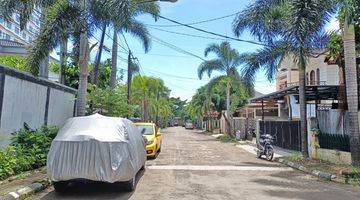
(193,166)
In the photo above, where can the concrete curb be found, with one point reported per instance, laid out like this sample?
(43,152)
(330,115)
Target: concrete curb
(23,175)
(319,174)
(316,173)
(26,191)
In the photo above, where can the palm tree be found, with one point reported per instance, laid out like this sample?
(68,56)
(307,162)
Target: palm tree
(148,91)
(350,10)
(227,61)
(124,20)
(286,27)
(81,17)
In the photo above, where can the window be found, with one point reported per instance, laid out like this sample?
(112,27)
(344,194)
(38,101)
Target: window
(1,20)
(1,34)
(17,30)
(24,35)
(17,18)
(31,29)
(29,39)
(9,25)
(7,36)
(312,77)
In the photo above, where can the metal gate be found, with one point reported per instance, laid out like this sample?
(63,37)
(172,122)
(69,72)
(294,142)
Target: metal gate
(287,133)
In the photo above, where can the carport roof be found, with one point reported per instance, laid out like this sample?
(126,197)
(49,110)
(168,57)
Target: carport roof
(313,92)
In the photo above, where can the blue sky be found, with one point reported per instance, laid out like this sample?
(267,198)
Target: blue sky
(179,71)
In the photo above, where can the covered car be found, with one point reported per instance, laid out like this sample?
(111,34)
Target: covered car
(96,148)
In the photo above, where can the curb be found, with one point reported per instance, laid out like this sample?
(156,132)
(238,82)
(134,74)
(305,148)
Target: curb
(26,191)
(319,174)
(316,173)
(23,175)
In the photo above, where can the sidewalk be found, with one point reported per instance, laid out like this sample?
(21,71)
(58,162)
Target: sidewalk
(23,183)
(278,152)
(250,146)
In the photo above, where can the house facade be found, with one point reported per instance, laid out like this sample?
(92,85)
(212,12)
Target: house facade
(317,72)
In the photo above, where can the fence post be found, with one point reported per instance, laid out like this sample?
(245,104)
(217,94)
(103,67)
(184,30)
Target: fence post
(46,115)
(2,88)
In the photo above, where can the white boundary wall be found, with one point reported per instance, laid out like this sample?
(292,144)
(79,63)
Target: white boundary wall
(35,101)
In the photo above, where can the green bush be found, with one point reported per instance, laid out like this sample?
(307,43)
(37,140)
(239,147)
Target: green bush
(226,138)
(28,150)
(293,157)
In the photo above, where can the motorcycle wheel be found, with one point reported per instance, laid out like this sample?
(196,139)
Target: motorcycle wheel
(258,154)
(269,154)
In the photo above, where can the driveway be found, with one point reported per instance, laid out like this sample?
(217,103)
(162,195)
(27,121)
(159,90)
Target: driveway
(196,166)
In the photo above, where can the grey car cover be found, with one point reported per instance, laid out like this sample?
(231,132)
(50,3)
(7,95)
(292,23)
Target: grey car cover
(97,148)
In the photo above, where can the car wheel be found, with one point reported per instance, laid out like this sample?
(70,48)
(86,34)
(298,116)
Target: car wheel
(60,186)
(130,185)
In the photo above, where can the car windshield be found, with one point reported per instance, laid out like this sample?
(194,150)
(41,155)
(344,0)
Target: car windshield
(146,129)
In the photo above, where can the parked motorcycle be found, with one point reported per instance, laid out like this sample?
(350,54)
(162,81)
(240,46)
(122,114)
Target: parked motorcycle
(265,147)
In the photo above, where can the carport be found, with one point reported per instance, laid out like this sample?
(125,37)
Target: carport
(313,93)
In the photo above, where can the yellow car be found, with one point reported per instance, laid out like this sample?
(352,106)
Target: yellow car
(153,136)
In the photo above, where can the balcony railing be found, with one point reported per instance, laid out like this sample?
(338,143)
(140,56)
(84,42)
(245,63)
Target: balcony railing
(285,85)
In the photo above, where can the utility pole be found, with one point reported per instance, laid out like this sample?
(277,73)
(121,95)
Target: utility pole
(129,79)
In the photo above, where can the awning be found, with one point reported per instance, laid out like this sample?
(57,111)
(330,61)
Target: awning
(313,92)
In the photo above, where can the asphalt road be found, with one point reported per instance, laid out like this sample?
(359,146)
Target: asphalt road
(196,166)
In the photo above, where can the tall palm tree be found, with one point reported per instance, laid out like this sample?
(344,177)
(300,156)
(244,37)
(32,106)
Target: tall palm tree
(227,61)
(286,27)
(350,9)
(124,20)
(82,18)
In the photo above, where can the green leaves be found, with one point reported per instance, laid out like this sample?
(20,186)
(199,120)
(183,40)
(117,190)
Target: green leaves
(110,102)
(152,96)
(16,62)
(28,150)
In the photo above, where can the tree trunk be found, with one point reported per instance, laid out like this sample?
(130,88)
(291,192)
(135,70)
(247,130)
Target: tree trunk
(63,58)
(44,68)
(83,62)
(303,114)
(342,86)
(98,56)
(352,92)
(114,58)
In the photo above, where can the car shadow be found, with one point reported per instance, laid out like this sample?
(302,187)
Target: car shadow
(94,190)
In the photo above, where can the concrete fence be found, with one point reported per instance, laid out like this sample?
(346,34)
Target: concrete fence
(242,124)
(35,101)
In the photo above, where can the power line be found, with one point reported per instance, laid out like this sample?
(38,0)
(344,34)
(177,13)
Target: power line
(193,23)
(210,32)
(186,34)
(126,42)
(111,38)
(178,49)
(175,76)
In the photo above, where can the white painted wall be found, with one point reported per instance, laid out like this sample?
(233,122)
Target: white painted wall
(61,107)
(23,102)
